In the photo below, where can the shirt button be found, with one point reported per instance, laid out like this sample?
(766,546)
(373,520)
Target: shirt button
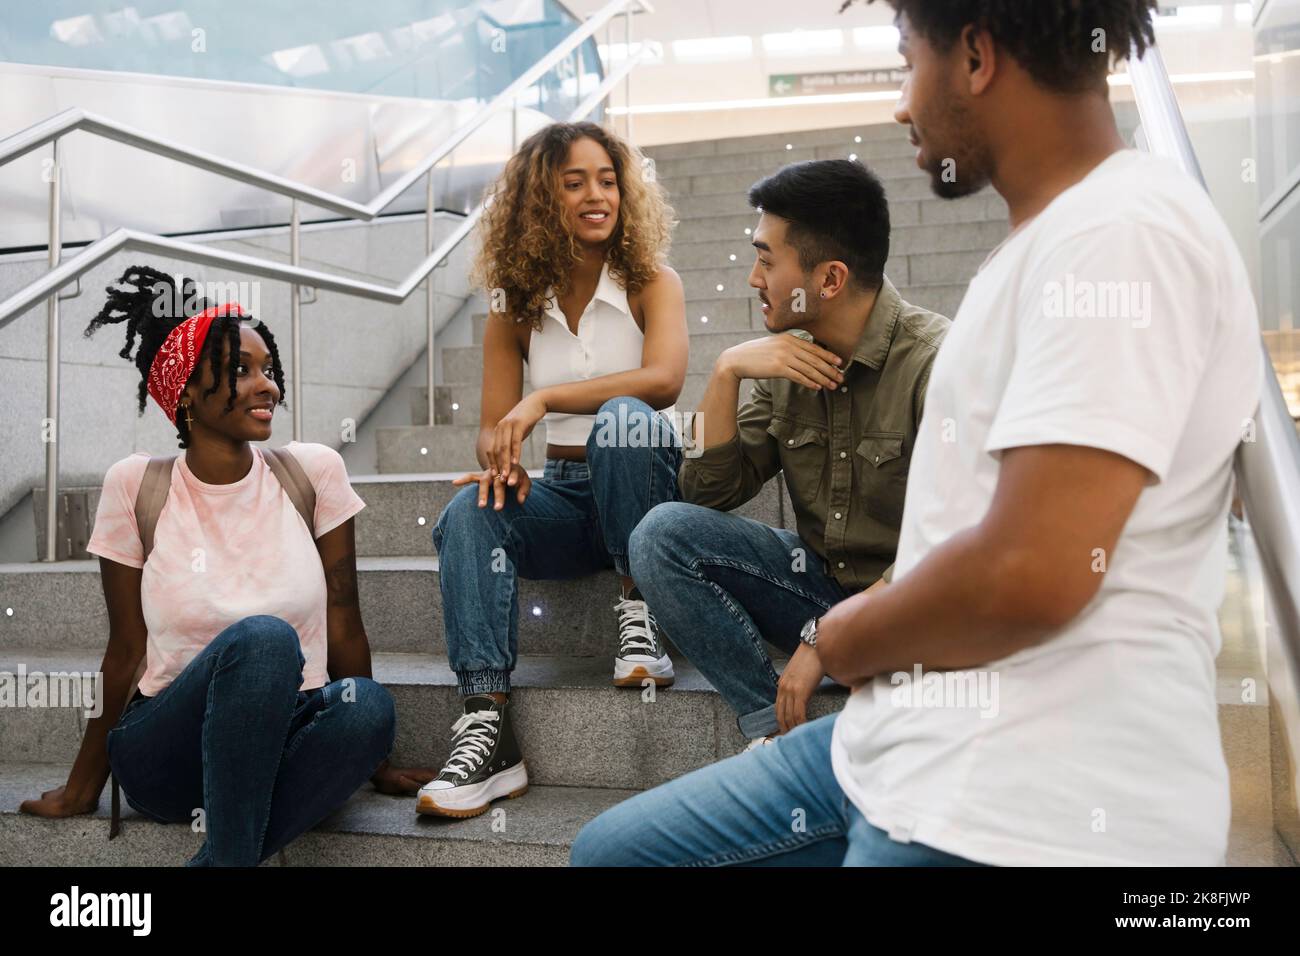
(841,564)
(844,388)
(789,441)
(845,454)
(877,459)
(838,516)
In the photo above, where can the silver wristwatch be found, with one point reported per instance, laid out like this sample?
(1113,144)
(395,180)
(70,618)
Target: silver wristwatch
(809,633)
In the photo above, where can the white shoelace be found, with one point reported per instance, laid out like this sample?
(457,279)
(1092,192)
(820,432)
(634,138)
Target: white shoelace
(475,733)
(634,623)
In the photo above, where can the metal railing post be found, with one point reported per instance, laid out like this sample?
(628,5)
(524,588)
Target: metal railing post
(51,424)
(295,315)
(627,80)
(430,305)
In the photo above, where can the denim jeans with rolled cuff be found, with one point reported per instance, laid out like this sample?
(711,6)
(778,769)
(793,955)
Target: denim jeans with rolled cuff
(577,519)
(232,739)
(719,585)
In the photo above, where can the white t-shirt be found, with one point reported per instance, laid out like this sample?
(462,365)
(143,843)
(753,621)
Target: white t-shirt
(1102,745)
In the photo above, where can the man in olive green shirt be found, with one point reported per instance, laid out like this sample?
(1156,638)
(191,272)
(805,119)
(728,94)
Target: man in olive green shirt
(835,407)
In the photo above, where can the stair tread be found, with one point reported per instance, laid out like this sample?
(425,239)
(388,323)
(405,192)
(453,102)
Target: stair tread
(545,815)
(407,669)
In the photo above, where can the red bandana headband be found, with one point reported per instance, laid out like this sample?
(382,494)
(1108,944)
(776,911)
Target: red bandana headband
(179,354)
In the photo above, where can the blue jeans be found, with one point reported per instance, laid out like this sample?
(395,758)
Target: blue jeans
(233,736)
(778,805)
(720,584)
(576,520)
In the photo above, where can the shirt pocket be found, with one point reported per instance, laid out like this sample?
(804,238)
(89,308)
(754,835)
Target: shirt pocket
(803,458)
(882,470)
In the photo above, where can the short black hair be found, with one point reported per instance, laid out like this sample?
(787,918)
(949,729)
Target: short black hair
(836,209)
(1056,41)
(148,307)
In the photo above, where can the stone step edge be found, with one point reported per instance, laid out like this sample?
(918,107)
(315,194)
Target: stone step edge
(415,477)
(542,818)
(538,672)
(416,669)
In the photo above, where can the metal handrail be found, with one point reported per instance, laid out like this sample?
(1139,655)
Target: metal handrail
(1268,468)
(122,240)
(50,130)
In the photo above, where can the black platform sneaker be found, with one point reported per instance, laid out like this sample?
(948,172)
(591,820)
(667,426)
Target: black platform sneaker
(485,763)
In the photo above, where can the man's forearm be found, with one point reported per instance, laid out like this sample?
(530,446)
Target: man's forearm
(958,608)
(717,411)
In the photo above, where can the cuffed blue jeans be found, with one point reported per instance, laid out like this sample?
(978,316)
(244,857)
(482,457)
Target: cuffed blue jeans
(234,741)
(719,584)
(778,805)
(577,520)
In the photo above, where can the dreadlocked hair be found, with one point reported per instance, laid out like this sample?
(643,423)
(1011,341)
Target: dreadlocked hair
(1066,45)
(150,304)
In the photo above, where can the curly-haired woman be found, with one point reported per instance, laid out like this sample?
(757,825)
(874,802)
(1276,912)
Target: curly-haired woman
(574,242)
(230,572)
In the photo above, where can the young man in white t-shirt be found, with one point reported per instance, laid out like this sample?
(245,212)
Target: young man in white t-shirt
(1036,685)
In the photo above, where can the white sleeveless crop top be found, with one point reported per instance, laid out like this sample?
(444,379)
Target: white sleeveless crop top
(608,341)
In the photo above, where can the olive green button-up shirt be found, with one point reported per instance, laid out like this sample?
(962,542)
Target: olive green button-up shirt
(844,453)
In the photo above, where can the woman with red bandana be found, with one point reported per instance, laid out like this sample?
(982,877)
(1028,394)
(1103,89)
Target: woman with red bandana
(230,574)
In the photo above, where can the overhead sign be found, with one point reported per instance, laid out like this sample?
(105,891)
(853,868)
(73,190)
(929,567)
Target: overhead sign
(839,81)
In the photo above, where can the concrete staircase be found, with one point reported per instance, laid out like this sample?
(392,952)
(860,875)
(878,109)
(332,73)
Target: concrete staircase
(588,744)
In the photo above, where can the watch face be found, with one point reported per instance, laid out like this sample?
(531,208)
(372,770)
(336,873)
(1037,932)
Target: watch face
(809,629)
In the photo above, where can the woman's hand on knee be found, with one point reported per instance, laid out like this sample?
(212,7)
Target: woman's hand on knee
(498,488)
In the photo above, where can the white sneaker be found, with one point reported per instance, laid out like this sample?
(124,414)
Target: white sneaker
(640,655)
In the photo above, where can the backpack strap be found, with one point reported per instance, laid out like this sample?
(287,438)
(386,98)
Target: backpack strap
(151,497)
(149,501)
(295,482)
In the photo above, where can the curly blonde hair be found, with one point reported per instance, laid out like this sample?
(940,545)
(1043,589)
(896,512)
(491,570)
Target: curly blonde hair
(528,247)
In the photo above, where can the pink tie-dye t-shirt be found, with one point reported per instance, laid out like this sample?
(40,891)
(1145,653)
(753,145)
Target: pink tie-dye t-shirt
(224,552)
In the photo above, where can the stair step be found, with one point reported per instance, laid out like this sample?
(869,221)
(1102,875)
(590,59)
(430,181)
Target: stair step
(725,315)
(576,732)
(465,364)
(904,241)
(765,142)
(401,509)
(460,404)
(684,190)
(60,606)
(412,449)
(830,146)
(574,727)
(371,829)
(982,207)
(891,162)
